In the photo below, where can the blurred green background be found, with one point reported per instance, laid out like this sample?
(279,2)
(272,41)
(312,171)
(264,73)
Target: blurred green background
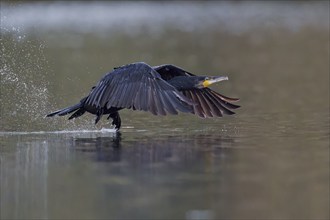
(275,54)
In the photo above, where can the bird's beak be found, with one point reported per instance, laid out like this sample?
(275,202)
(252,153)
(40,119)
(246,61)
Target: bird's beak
(214,79)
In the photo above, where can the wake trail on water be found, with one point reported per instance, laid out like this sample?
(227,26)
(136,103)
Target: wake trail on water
(101,131)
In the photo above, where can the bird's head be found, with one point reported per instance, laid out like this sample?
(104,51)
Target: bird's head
(198,82)
(206,81)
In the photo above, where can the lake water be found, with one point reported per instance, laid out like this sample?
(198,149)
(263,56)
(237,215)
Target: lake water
(268,161)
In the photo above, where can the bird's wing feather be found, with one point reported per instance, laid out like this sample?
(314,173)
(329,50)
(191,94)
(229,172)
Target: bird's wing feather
(140,87)
(210,103)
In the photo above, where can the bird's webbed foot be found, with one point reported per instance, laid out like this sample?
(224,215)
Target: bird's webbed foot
(116,121)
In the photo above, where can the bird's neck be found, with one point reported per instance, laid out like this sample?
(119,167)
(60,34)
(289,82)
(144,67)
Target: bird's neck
(182,82)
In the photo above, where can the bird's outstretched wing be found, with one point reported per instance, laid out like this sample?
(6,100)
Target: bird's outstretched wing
(208,103)
(140,87)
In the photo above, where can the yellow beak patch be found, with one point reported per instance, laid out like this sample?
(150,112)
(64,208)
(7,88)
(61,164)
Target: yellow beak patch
(213,80)
(206,83)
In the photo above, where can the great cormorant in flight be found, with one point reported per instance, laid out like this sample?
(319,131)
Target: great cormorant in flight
(161,90)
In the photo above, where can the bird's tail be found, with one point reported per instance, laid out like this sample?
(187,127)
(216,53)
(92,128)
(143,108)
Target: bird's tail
(79,108)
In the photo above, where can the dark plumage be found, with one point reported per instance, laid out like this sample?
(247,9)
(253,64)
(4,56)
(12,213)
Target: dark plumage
(161,90)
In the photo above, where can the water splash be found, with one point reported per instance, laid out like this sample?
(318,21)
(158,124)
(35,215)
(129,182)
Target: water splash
(23,84)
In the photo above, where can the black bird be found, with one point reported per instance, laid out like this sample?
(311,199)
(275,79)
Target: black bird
(161,90)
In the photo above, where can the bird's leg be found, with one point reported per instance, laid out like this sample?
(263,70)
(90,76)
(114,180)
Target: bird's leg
(98,115)
(115,119)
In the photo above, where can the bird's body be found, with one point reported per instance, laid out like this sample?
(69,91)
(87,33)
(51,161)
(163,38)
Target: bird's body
(161,90)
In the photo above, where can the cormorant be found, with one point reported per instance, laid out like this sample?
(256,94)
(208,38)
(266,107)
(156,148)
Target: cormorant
(161,90)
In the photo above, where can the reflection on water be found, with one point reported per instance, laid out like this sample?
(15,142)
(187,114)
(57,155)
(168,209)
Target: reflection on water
(184,175)
(269,161)
(108,176)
